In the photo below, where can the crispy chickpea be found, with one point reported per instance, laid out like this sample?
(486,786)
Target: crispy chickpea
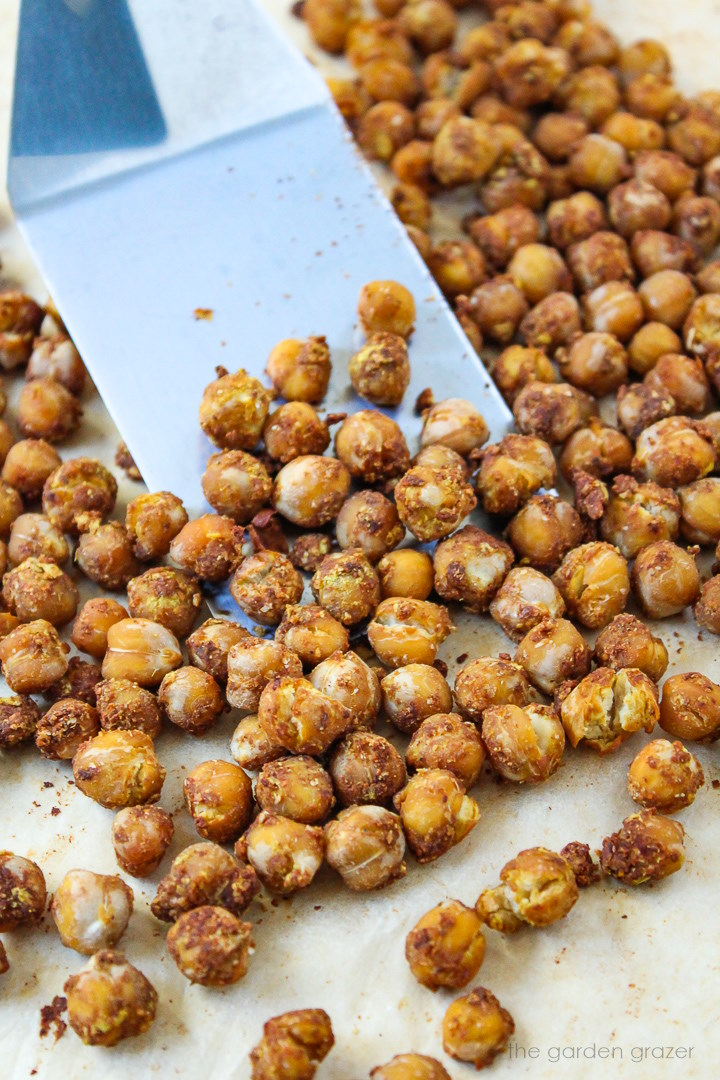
(166,596)
(140,650)
(140,837)
(436,814)
(664,776)
(665,579)
(437,455)
(251,663)
(233,410)
(123,705)
(652,96)
(652,341)
(446,946)
(380,371)
(219,798)
(524,743)
(252,747)
(40,590)
(553,652)
(525,598)
(654,251)
(191,699)
(597,449)
(470,566)
(607,707)
(347,585)
(309,550)
(386,307)
(236,484)
(19,716)
(410,1067)
(23,892)
(596,362)
(109,1000)
(690,707)
(696,219)
(445,741)
(105,555)
(387,79)
(499,235)
(79,681)
(594,582)
(57,358)
(406,631)
(710,179)
(538,271)
(489,682)
(35,536)
(285,854)
(20,319)
(674,452)
(208,646)
(458,266)
(119,768)
(637,205)
(371,446)
(153,521)
(634,133)
(647,847)
(556,133)
(11,507)
(701,331)
(522,175)
(296,1041)
(432,115)
(512,470)
(543,531)
(209,547)
(538,887)
(700,510)
(91,911)
(667,297)
(529,72)
(708,279)
(597,163)
(464,150)
(614,309)
(310,490)
(210,946)
(264,584)
(667,172)
(429,24)
(413,693)
(642,58)
(552,411)
(300,370)
(366,768)
(498,308)
(347,679)
(366,846)
(301,718)
(78,487)
(32,657)
(204,873)
(574,219)
(382,131)
(64,728)
(592,92)
(46,410)
(628,643)
(695,135)
(476,1028)
(456,424)
(517,366)
(369,521)
(330,21)
(297,788)
(432,501)
(414,209)
(311,632)
(707,606)
(484,42)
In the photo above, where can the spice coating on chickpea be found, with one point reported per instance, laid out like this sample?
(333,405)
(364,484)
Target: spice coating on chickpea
(665,579)
(647,847)
(285,854)
(432,501)
(34,536)
(512,470)
(119,768)
(23,893)
(607,707)
(664,776)
(236,484)
(293,430)
(37,590)
(456,424)
(210,946)
(310,490)
(537,887)
(300,370)
(79,486)
(524,743)
(639,514)
(470,567)
(219,798)
(690,707)
(252,747)
(413,693)
(251,664)
(191,699)
(32,657)
(674,452)
(366,768)
(446,947)
(386,307)
(264,584)
(436,813)
(476,1028)
(627,643)
(105,555)
(490,681)
(140,837)
(347,585)
(309,550)
(209,646)
(347,679)
(371,446)
(123,705)
(594,582)
(210,547)
(445,741)
(498,307)
(525,598)
(700,511)
(406,573)
(91,911)
(233,410)
(46,410)
(311,632)
(553,652)
(299,1040)
(544,531)
(297,788)
(406,631)
(19,717)
(204,873)
(64,728)
(552,411)
(366,846)
(380,371)
(300,718)
(369,521)
(517,366)
(109,1000)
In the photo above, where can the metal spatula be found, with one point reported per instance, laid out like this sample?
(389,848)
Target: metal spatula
(183,155)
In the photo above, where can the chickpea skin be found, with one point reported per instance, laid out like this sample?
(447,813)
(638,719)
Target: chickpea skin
(664,776)
(432,501)
(386,307)
(191,699)
(524,744)
(264,584)
(210,946)
(300,718)
(646,847)
(347,679)
(91,911)
(498,307)
(32,657)
(406,572)
(233,410)
(300,370)
(310,490)
(445,741)
(251,664)
(285,855)
(119,768)
(366,846)
(665,579)
(109,1000)
(23,893)
(371,446)
(366,768)
(476,1028)
(140,837)
(410,1067)
(413,693)
(607,707)
(470,567)
(628,643)
(446,947)
(538,888)
(347,585)
(406,631)
(297,788)
(690,707)
(219,798)
(303,1037)
(236,484)
(436,814)
(380,371)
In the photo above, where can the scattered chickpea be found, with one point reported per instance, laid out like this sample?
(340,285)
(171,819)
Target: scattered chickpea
(23,893)
(413,693)
(552,411)
(458,266)
(20,319)
(456,424)
(543,531)
(446,947)
(109,1000)
(310,490)
(32,657)
(701,330)
(369,521)
(204,873)
(700,510)
(330,22)
(366,846)
(525,598)
(297,788)
(347,679)
(125,706)
(498,307)
(674,452)
(19,717)
(690,707)
(347,585)
(653,252)
(210,946)
(445,741)
(512,470)
(301,718)
(665,579)
(34,536)
(78,486)
(285,854)
(470,566)
(436,814)
(140,837)
(303,1037)
(218,795)
(119,768)
(525,744)
(191,699)
(309,550)
(607,707)
(264,584)
(386,307)
(382,131)
(371,446)
(476,1028)
(707,606)
(252,747)
(251,664)
(647,847)
(537,887)
(233,410)
(664,776)
(140,650)
(487,682)
(406,631)
(553,652)
(64,728)
(517,366)
(57,358)
(498,236)
(432,501)
(91,911)
(236,484)
(652,341)
(37,590)
(380,371)
(366,768)
(209,646)
(628,643)
(105,555)
(594,582)
(46,410)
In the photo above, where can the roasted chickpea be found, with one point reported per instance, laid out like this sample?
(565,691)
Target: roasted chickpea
(628,643)
(607,707)
(642,58)
(218,795)
(264,584)
(529,72)
(553,652)
(499,235)
(437,455)
(652,341)
(551,323)
(209,547)
(413,693)
(498,308)
(303,1038)
(380,371)
(690,707)
(522,176)
(119,768)
(208,647)
(366,846)
(512,470)
(371,446)
(665,171)
(285,854)
(140,837)
(330,21)
(681,379)
(233,410)
(556,133)
(597,449)
(665,579)
(105,555)
(311,632)
(309,550)
(19,716)
(23,892)
(204,873)
(432,501)
(210,946)
(123,705)
(347,679)
(637,205)
(597,362)
(592,92)
(91,911)
(64,728)
(301,718)
(32,657)
(57,358)
(295,787)
(597,163)
(407,631)
(166,596)
(11,506)
(34,536)
(46,410)
(387,79)
(20,319)
(594,582)
(654,251)
(458,266)
(109,1000)
(40,590)
(552,411)
(489,682)
(525,598)
(544,530)
(707,606)
(538,888)
(310,490)
(347,585)
(446,946)
(251,664)
(476,1028)
(252,747)
(140,650)
(708,279)
(78,486)
(153,521)
(664,776)
(674,452)
(366,768)
(436,814)
(236,484)
(382,131)
(79,682)
(470,566)
(388,307)
(414,209)
(191,699)
(410,1067)
(574,219)
(445,741)
(647,847)
(696,219)
(517,366)
(524,743)
(634,133)
(369,521)
(538,271)
(456,424)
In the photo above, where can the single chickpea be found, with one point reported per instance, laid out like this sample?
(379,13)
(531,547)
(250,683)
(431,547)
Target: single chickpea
(538,888)
(489,682)
(498,236)
(236,484)
(369,521)
(80,682)
(406,631)
(484,42)
(652,341)
(607,707)
(665,171)
(330,21)
(517,366)
(413,693)
(23,893)
(252,747)
(665,579)
(538,271)
(46,410)
(597,449)
(153,521)
(700,510)
(592,92)
(524,743)
(347,585)
(596,362)
(664,776)
(556,133)
(208,646)
(140,837)
(594,582)
(303,1037)
(140,650)
(219,798)
(64,728)
(233,410)
(498,308)
(639,405)
(445,741)
(708,279)
(125,706)
(642,58)
(707,607)
(553,652)
(597,163)
(470,567)
(309,550)
(285,855)
(204,873)
(552,411)
(366,768)
(674,452)
(11,507)
(615,309)
(297,788)
(437,455)
(208,547)
(78,486)
(91,911)
(19,716)
(300,370)
(371,446)
(105,555)
(119,768)
(628,643)
(310,490)
(57,358)
(436,814)
(109,1000)
(653,251)
(35,536)
(210,946)
(587,42)
(637,205)
(701,331)
(634,133)
(410,1067)
(525,598)
(20,319)
(433,114)
(366,846)
(543,531)
(386,306)
(446,947)
(456,424)
(690,707)
(432,501)
(191,699)
(167,596)
(347,679)
(413,207)
(264,584)
(382,131)
(551,323)
(696,219)
(574,219)
(512,470)
(311,632)
(522,175)
(646,847)
(429,24)
(251,664)
(32,657)
(476,1028)
(386,79)
(40,590)
(301,718)
(380,371)
(529,72)
(458,266)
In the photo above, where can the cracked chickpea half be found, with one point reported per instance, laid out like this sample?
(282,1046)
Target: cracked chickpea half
(432,501)
(538,887)
(297,788)
(91,911)
(23,893)
(109,1000)
(348,680)
(594,582)
(366,846)
(446,741)
(627,642)
(664,776)
(525,744)
(446,947)
(204,873)
(219,798)
(476,1028)
(140,837)
(292,1046)
(300,718)
(346,584)
(119,768)
(210,946)
(285,854)
(513,470)
(646,847)
(406,631)
(607,707)
(436,813)
(470,567)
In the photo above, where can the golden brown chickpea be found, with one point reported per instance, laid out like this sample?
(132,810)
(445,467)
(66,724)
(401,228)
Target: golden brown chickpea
(642,58)
(431,502)
(521,176)
(707,606)
(91,911)
(628,643)
(695,135)
(456,424)
(476,1028)
(11,507)
(552,653)
(445,741)
(690,707)
(79,682)
(529,72)
(665,579)
(386,306)
(608,706)
(347,679)
(109,1000)
(209,547)
(653,251)
(470,567)
(410,1067)
(529,20)
(233,410)
(489,682)
(638,515)
(64,727)
(40,590)
(674,452)
(312,633)
(251,664)
(210,946)
(712,423)
(647,847)
(556,133)
(696,220)
(587,41)
(525,744)
(219,798)
(498,307)
(413,693)
(383,130)
(613,308)
(664,776)
(597,362)
(79,486)
(264,584)
(105,554)
(413,207)
(366,768)
(123,705)
(538,271)
(369,521)
(370,38)
(437,455)
(594,582)
(436,814)
(667,297)
(20,319)
(634,133)
(34,536)
(166,596)
(329,22)
(140,837)
(32,657)
(366,846)
(637,205)
(525,598)
(252,747)
(552,411)
(119,768)
(303,1038)
(412,165)
(140,650)
(310,490)
(667,172)
(429,24)
(574,219)
(209,645)
(153,521)
(236,484)
(191,699)
(498,236)
(538,888)
(701,331)
(446,947)
(204,873)
(57,358)
(19,716)
(653,96)
(517,366)
(301,718)
(23,893)
(652,341)
(297,788)
(708,280)
(380,371)
(431,116)
(371,446)
(458,266)
(682,380)
(512,470)
(406,631)
(347,585)
(309,550)
(285,854)
(592,92)
(597,163)
(46,410)
(300,370)
(598,449)
(544,530)
(386,79)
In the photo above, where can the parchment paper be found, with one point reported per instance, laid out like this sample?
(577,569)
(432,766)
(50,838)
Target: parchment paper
(627,977)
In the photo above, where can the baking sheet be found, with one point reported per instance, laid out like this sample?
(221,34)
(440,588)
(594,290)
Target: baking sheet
(627,977)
